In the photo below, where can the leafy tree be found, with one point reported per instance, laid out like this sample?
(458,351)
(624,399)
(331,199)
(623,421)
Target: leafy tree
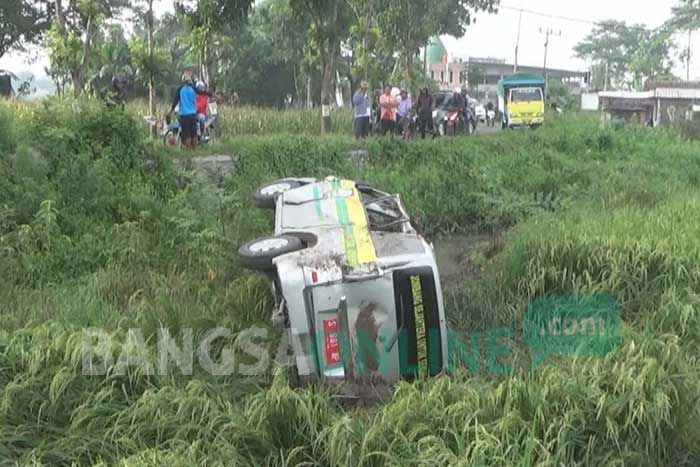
(685,17)
(559,94)
(364,33)
(70,39)
(23,22)
(110,55)
(409,24)
(651,59)
(253,63)
(150,62)
(330,25)
(171,37)
(373,58)
(475,76)
(609,44)
(626,55)
(206,18)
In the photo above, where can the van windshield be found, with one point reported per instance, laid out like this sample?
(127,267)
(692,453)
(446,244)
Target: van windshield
(526,95)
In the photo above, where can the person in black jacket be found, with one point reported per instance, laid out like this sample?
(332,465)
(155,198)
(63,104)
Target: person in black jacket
(424,105)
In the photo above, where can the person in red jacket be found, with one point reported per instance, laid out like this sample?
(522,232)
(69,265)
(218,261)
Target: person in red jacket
(203,96)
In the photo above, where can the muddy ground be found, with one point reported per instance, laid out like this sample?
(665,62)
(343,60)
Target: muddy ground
(461,256)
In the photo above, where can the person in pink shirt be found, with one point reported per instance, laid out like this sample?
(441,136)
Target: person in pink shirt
(388,106)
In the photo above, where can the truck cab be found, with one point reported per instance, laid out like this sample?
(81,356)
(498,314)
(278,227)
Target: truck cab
(521,100)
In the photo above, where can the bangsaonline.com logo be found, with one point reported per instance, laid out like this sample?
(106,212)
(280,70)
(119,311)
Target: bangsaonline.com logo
(583,325)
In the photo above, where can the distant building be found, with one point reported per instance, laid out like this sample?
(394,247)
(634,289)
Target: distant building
(453,73)
(494,70)
(448,74)
(662,102)
(632,106)
(674,99)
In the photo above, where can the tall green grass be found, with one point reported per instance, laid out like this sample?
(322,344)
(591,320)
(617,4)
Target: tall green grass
(250,120)
(99,229)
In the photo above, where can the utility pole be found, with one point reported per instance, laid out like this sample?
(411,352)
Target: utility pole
(607,71)
(517,42)
(687,58)
(547,32)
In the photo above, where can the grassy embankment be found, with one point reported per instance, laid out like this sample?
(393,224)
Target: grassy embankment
(93,236)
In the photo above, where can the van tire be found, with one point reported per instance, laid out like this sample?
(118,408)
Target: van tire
(258,254)
(266,196)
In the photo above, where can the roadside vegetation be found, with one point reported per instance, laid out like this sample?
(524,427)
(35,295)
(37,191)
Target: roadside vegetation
(99,229)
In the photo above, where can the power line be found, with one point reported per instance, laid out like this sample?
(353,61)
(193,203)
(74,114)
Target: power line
(549,15)
(571,19)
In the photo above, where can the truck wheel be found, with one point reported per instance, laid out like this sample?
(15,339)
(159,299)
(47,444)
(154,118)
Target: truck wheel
(258,254)
(266,196)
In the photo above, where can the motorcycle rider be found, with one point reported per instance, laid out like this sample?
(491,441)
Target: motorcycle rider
(469,110)
(117,95)
(457,104)
(490,113)
(457,101)
(202,99)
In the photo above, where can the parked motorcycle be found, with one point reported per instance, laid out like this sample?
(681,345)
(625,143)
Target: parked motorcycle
(490,118)
(453,123)
(205,128)
(209,124)
(171,132)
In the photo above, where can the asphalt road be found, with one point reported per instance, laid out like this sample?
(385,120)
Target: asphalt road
(481,128)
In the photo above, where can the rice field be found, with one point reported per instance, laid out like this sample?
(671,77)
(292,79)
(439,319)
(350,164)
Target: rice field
(250,120)
(100,233)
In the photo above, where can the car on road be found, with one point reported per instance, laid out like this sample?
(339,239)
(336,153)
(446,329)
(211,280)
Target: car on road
(356,287)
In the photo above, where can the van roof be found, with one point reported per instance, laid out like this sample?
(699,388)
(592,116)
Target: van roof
(334,211)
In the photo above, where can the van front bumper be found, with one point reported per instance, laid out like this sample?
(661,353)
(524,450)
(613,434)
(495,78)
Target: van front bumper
(525,121)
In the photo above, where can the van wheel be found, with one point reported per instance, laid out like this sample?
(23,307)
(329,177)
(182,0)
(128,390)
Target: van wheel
(266,196)
(258,254)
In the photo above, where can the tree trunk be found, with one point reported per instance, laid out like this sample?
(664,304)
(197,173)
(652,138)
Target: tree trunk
(151,78)
(327,92)
(78,73)
(204,59)
(409,71)
(205,64)
(309,104)
(368,24)
(60,19)
(329,50)
(61,22)
(77,81)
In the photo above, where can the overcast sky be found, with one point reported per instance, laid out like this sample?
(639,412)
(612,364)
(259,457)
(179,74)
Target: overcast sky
(495,35)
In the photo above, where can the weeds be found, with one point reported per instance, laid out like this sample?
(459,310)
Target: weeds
(91,235)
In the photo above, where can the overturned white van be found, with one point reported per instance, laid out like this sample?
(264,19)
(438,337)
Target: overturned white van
(356,288)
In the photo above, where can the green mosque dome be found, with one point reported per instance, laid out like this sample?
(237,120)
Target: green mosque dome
(436,50)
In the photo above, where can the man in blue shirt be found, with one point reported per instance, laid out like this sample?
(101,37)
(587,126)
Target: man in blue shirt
(363,109)
(186,98)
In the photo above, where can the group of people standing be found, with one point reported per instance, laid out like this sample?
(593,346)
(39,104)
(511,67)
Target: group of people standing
(391,112)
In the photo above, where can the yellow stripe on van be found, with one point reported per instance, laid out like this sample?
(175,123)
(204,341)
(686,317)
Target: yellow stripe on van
(419,314)
(364,251)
